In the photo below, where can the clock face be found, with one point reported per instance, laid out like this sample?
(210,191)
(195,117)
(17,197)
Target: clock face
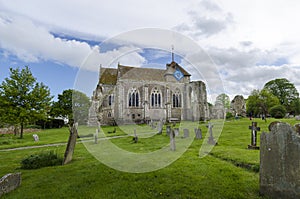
(178,75)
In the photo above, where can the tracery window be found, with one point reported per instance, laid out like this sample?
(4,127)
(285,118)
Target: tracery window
(133,98)
(156,97)
(110,100)
(176,98)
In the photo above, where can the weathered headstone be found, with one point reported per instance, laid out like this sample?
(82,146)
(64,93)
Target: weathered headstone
(211,139)
(279,162)
(135,137)
(96,136)
(176,131)
(9,182)
(172,141)
(186,133)
(35,137)
(160,127)
(71,143)
(297,117)
(254,128)
(168,130)
(198,133)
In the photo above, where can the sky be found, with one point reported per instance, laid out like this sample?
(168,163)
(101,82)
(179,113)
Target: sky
(233,46)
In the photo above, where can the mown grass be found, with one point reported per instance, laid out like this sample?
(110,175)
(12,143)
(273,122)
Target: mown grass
(187,177)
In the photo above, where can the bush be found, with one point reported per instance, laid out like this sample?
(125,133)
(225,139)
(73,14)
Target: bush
(229,115)
(277,111)
(43,159)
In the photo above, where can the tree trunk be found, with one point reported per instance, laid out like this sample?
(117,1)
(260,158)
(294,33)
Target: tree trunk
(21,133)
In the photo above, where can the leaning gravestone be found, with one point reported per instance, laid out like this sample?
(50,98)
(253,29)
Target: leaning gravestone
(279,162)
(71,143)
(9,182)
(198,133)
(186,133)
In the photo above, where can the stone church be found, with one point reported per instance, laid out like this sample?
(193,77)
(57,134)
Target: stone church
(129,94)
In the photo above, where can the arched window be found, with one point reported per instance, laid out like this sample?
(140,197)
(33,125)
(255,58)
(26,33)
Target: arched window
(133,98)
(156,97)
(176,98)
(110,100)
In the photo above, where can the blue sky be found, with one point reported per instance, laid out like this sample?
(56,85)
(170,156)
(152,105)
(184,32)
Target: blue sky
(247,42)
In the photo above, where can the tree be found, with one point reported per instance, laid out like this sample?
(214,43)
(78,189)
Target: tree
(277,111)
(73,105)
(259,102)
(284,90)
(22,99)
(224,100)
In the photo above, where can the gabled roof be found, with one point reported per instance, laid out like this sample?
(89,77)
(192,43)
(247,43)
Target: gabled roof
(137,73)
(108,76)
(177,66)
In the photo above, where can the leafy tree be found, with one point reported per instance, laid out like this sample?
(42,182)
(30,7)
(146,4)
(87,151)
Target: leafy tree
(22,99)
(224,100)
(259,102)
(278,111)
(73,105)
(284,90)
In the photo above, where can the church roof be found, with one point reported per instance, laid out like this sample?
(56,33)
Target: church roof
(177,66)
(108,76)
(137,73)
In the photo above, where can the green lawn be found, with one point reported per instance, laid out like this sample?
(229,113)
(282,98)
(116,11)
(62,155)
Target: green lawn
(214,176)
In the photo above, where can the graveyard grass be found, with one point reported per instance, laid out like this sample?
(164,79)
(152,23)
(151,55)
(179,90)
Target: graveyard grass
(229,171)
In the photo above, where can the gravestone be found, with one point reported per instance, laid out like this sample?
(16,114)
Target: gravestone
(160,127)
(297,117)
(176,131)
(198,133)
(254,128)
(279,162)
(186,133)
(96,136)
(135,137)
(297,128)
(172,140)
(272,124)
(71,143)
(211,139)
(168,131)
(9,182)
(35,137)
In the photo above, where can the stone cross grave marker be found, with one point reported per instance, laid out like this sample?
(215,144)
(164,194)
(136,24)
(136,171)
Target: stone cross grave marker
(168,131)
(96,136)
(176,131)
(135,137)
(71,143)
(254,128)
(172,140)
(198,133)
(186,133)
(35,137)
(211,139)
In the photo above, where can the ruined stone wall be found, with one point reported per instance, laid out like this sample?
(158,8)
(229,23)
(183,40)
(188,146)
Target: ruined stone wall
(280,162)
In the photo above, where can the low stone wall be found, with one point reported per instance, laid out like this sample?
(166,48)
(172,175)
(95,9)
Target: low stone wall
(280,162)
(9,182)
